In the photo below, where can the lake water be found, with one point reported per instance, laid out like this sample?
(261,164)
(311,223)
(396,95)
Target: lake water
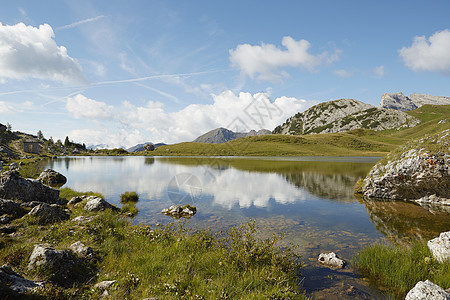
(308,199)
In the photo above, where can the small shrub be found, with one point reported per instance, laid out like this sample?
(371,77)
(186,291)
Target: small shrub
(129,197)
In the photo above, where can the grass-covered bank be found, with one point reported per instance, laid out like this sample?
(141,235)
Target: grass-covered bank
(167,262)
(399,268)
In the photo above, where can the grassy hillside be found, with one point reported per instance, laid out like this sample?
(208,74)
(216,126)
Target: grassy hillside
(360,142)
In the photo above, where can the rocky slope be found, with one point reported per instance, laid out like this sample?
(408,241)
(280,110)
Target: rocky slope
(401,102)
(343,115)
(223,135)
(417,170)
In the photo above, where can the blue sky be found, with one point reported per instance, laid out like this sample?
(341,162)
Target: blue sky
(122,73)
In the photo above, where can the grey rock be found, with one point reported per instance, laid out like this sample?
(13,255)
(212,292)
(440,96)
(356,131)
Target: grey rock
(13,166)
(13,186)
(178,211)
(52,178)
(7,152)
(149,147)
(7,229)
(440,247)
(31,204)
(397,101)
(5,220)
(104,285)
(15,282)
(343,115)
(9,207)
(223,135)
(82,219)
(82,250)
(425,290)
(422,99)
(60,264)
(96,203)
(331,259)
(75,200)
(415,174)
(49,213)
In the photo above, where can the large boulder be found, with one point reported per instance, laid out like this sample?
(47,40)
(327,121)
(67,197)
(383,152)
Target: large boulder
(59,266)
(414,171)
(82,250)
(12,284)
(49,213)
(397,101)
(52,178)
(440,247)
(96,203)
(426,290)
(15,187)
(9,207)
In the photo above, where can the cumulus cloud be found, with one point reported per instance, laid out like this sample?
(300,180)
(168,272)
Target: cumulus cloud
(82,107)
(5,108)
(264,61)
(152,122)
(31,52)
(432,54)
(379,71)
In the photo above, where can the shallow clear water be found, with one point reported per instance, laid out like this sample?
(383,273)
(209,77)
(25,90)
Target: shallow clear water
(309,199)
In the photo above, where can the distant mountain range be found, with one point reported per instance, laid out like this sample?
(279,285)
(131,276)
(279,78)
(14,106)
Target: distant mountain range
(98,147)
(140,147)
(223,135)
(348,114)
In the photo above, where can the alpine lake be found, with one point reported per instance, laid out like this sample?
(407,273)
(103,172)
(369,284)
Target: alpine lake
(310,200)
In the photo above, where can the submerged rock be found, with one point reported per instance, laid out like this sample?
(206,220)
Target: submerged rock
(15,187)
(440,247)
(178,211)
(331,259)
(425,290)
(52,178)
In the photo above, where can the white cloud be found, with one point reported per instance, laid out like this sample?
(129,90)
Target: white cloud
(82,107)
(379,71)
(5,108)
(152,123)
(27,104)
(343,73)
(264,61)
(31,52)
(432,54)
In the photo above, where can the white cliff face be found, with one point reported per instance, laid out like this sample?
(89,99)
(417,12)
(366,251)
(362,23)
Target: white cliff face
(343,115)
(418,172)
(401,102)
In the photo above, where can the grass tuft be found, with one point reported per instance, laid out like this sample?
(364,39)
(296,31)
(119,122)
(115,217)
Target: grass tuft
(129,197)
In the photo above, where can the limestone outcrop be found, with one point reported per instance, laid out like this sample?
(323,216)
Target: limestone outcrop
(343,115)
(401,102)
(15,187)
(425,290)
(440,247)
(416,170)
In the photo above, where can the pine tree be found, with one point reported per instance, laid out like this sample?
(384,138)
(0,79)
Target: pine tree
(40,135)
(67,142)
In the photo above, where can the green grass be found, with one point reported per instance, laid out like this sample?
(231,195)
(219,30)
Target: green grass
(129,197)
(167,262)
(400,268)
(68,193)
(359,142)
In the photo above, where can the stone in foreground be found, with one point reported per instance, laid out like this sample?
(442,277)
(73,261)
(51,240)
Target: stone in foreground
(426,290)
(49,213)
(15,283)
(331,259)
(96,203)
(52,178)
(440,247)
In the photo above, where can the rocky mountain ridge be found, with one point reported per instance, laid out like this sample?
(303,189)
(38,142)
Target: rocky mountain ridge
(343,115)
(223,135)
(401,102)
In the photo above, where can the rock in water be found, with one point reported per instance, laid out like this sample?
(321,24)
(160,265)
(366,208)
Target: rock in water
(14,187)
(52,178)
(331,259)
(413,172)
(426,290)
(440,247)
